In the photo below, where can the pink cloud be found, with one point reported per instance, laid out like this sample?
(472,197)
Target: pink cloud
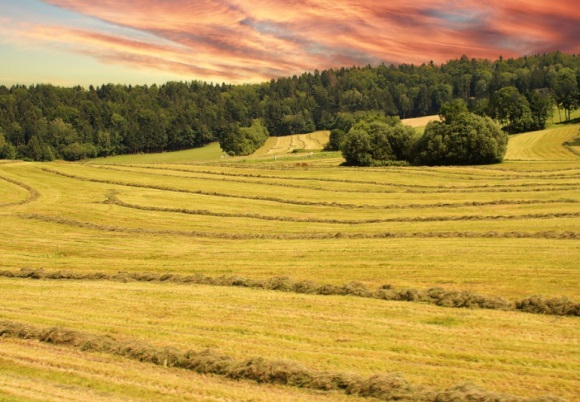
(244,41)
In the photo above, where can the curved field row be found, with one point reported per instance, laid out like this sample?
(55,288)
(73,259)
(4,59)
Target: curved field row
(367,177)
(460,174)
(545,145)
(478,173)
(456,261)
(6,193)
(305,203)
(112,198)
(551,234)
(410,188)
(285,145)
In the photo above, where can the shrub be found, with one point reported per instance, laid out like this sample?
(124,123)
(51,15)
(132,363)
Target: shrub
(378,142)
(467,140)
(235,140)
(335,140)
(76,151)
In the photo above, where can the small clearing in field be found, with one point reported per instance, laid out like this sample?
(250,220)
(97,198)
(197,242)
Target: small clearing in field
(287,144)
(420,121)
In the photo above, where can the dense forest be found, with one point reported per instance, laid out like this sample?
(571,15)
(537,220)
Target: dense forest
(44,122)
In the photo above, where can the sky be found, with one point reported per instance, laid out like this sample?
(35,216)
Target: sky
(94,42)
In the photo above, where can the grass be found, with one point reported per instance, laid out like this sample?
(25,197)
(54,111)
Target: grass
(61,373)
(284,145)
(508,230)
(11,193)
(420,122)
(546,145)
(558,117)
(208,153)
(325,334)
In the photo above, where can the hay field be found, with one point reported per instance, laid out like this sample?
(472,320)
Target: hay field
(418,122)
(554,144)
(284,145)
(291,271)
(210,152)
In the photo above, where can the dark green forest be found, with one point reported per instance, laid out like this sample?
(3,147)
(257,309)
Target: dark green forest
(45,122)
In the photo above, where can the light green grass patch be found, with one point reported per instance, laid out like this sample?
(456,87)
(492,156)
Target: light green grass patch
(211,152)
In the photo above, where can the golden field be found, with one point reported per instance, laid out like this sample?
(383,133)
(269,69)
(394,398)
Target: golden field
(506,231)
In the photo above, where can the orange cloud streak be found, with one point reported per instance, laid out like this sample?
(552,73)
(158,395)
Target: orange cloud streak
(242,41)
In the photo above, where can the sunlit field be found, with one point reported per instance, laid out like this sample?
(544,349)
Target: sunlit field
(308,279)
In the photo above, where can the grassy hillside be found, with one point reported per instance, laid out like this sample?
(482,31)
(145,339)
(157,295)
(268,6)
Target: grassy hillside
(208,153)
(288,144)
(325,268)
(559,143)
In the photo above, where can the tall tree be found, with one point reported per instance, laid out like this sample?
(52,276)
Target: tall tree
(566,91)
(511,109)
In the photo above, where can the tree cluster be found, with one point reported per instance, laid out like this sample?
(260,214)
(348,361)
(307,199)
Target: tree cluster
(236,140)
(42,122)
(461,138)
(378,140)
(465,139)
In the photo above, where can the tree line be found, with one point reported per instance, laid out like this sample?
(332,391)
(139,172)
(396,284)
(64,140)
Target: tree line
(44,122)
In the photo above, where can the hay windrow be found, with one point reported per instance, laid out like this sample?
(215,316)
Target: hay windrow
(408,188)
(564,235)
(32,193)
(302,203)
(423,170)
(112,198)
(387,387)
(436,295)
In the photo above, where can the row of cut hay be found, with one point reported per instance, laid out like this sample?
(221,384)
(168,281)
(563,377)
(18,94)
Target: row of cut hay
(554,235)
(112,198)
(437,296)
(279,183)
(482,170)
(387,387)
(411,188)
(32,193)
(471,172)
(298,202)
(206,193)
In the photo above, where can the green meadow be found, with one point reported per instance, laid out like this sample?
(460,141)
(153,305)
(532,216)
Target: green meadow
(287,259)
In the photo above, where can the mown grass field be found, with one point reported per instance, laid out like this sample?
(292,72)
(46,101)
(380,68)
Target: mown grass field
(506,231)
